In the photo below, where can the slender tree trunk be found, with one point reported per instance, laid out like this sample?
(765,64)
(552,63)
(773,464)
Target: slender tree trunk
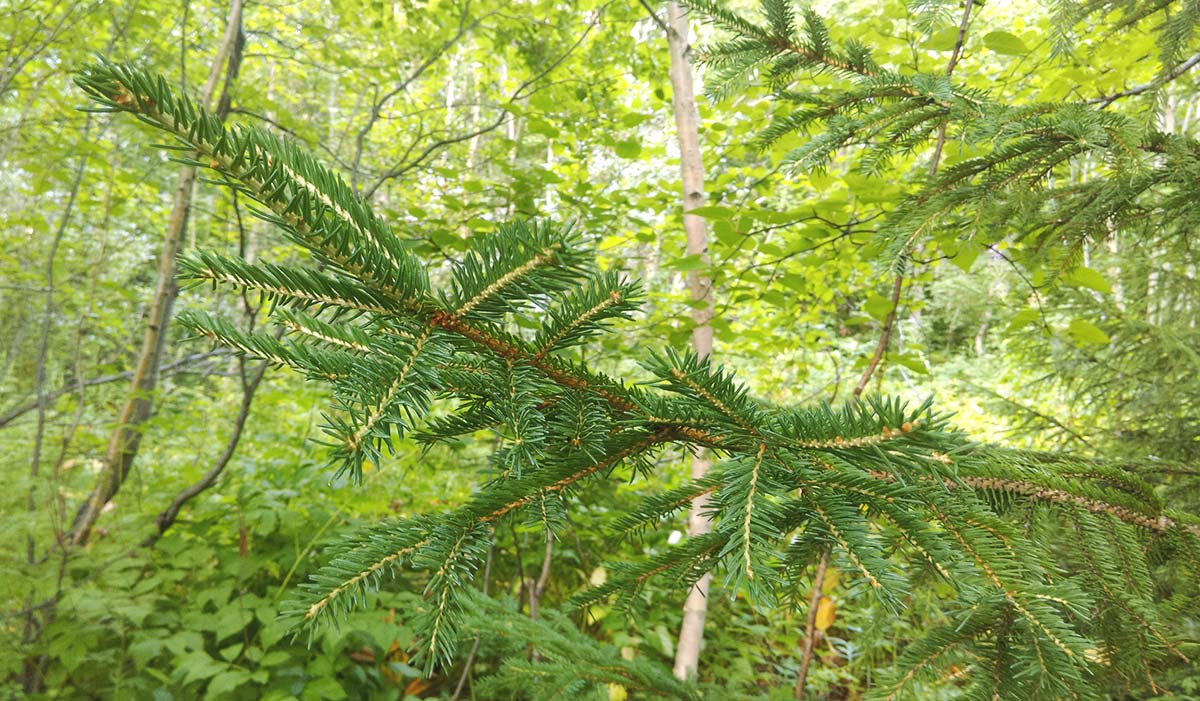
(31,677)
(695,608)
(126,437)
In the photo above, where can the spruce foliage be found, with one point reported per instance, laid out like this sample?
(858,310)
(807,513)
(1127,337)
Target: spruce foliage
(878,482)
(569,663)
(878,113)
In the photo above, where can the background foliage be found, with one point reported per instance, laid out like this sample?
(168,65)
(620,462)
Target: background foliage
(453,117)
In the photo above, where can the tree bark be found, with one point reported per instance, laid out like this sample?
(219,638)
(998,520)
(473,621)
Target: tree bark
(695,608)
(810,630)
(126,437)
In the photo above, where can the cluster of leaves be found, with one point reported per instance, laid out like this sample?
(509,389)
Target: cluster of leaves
(197,616)
(791,483)
(1002,182)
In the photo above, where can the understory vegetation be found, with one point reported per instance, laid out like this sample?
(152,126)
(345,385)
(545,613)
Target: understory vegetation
(419,349)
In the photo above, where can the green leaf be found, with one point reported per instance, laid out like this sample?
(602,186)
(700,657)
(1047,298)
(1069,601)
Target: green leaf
(775,298)
(878,306)
(275,658)
(770,216)
(322,688)
(538,126)
(184,641)
(629,149)
(794,282)
(143,651)
(912,362)
(228,621)
(1086,333)
(1005,43)
(690,263)
(965,256)
(632,119)
(226,682)
(1086,277)
(665,640)
(197,665)
(724,232)
(1023,318)
(712,211)
(943,40)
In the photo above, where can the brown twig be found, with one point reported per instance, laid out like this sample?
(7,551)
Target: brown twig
(539,587)
(885,336)
(125,440)
(31,677)
(1179,70)
(810,630)
(407,165)
(487,575)
(167,518)
(75,385)
(377,105)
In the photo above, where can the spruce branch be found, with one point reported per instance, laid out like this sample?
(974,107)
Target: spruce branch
(792,482)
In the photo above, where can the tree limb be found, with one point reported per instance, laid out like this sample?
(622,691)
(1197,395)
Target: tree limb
(405,167)
(1106,100)
(19,411)
(167,518)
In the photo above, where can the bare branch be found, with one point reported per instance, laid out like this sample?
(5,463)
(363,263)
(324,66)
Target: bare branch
(1176,72)
(167,518)
(184,362)
(405,167)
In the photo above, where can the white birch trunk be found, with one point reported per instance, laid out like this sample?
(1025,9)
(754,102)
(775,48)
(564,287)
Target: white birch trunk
(691,633)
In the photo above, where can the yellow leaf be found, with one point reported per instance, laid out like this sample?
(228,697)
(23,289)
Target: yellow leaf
(616,692)
(826,612)
(599,577)
(830,582)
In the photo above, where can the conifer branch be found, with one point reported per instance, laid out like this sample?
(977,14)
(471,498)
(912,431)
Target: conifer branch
(339,336)
(746,520)
(354,442)
(950,524)
(576,323)
(304,288)
(559,485)
(391,560)
(795,482)
(539,259)
(835,532)
(1157,524)
(1123,601)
